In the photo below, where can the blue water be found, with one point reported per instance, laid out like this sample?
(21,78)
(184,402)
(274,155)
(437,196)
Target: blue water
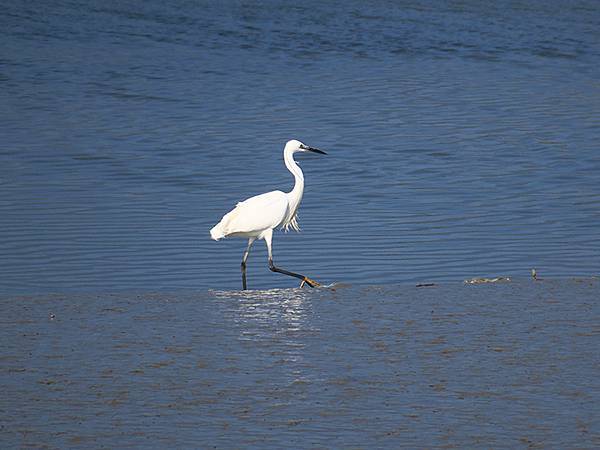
(462,140)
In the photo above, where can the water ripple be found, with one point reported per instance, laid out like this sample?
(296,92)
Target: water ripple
(462,141)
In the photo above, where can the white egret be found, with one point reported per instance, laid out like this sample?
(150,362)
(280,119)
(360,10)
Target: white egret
(256,217)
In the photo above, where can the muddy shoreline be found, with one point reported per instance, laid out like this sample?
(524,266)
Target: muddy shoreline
(506,365)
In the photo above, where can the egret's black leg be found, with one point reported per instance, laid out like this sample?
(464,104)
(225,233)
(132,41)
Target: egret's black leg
(244,258)
(244,285)
(268,236)
(305,279)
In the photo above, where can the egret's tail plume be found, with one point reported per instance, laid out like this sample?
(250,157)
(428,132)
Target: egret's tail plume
(217,232)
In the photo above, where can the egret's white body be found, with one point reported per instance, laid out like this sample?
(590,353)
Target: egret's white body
(257,217)
(252,217)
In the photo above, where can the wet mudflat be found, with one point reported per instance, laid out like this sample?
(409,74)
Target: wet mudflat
(504,365)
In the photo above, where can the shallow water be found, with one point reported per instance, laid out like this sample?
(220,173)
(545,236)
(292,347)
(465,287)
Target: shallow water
(462,139)
(508,365)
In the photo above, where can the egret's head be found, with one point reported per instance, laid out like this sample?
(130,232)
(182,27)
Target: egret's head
(297,146)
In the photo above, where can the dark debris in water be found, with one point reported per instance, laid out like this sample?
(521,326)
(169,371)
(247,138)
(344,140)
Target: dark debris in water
(420,285)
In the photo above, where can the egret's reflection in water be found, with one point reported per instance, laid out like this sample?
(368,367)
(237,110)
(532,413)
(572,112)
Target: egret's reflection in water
(277,323)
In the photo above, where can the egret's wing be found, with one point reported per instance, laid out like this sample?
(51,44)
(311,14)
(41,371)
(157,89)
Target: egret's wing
(256,214)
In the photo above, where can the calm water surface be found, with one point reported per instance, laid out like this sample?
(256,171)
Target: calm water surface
(462,139)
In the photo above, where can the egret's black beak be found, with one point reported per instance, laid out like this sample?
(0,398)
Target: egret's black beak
(314,150)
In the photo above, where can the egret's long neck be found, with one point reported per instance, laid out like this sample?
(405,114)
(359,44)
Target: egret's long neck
(296,194)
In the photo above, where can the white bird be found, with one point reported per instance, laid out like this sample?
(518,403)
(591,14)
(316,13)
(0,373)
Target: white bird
(256,217)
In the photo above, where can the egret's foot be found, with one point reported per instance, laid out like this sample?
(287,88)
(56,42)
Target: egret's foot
(311,283)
